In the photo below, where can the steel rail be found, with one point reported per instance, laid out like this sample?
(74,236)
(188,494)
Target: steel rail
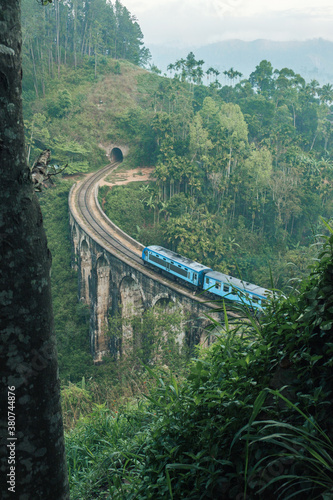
(87,209)
(103,228)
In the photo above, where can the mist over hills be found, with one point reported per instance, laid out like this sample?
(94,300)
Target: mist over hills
(313,59)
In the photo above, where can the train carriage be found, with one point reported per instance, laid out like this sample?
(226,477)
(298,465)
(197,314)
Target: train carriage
(234,289)
(175,264)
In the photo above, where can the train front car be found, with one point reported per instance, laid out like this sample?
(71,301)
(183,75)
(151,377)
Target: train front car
(175,265)
(242,292)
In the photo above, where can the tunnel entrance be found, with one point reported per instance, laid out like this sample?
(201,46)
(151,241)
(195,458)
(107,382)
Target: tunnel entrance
(116,154)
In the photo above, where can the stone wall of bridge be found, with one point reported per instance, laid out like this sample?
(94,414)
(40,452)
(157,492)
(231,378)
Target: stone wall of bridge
(110,287)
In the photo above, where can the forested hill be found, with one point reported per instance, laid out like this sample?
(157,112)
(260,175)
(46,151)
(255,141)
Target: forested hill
(67,32)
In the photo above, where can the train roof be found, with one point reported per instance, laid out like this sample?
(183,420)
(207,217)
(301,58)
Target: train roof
(195,266)
(240,284)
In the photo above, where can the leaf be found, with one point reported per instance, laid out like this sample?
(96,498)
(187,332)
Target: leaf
(327,225)
(169,482)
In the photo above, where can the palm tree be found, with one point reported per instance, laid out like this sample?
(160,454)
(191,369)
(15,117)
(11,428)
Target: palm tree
(232,74)
(326,93)
(170,68)
(197,75)
(209,72)
(163,208)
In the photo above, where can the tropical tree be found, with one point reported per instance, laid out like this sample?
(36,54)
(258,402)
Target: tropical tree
(71,31)
(212,71)
(326,93)
(256,174)
(232,74)
(262,77)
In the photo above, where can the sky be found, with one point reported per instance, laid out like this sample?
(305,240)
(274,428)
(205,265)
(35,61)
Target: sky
(200,22)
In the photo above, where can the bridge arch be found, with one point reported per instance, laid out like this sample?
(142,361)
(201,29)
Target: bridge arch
(103,305)
(116,154)
(75,237)
(132,304)
(84,247)
(86,267)
(163,300)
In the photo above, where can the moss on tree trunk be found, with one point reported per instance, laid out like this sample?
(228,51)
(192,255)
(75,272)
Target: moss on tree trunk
(28,361)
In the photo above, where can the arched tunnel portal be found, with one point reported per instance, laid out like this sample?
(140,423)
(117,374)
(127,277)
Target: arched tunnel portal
(116,154)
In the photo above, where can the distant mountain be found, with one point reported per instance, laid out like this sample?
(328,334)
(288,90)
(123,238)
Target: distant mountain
(313,59)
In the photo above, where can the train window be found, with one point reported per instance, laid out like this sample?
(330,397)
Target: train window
(156,259)
(207,281)
(218,285)
(225,288)
(178,270)
(195,276)
(255,299)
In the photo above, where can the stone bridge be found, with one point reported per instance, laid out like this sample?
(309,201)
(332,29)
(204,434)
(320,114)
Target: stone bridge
(113,285)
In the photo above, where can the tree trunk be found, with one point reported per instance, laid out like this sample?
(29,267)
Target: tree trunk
(74,33)
(35,72)
(32,458)
(95,60)
(57,13)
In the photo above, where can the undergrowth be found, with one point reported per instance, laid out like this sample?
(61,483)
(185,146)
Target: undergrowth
(252,419)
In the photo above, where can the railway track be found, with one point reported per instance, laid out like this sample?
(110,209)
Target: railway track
(91,218)
(90,213)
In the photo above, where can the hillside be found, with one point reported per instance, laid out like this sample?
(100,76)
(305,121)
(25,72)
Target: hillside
(243,176)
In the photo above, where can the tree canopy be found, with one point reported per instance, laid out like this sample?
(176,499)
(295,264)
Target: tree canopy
(73,31)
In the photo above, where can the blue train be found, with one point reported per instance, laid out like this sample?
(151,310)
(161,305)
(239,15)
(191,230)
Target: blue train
(202,277)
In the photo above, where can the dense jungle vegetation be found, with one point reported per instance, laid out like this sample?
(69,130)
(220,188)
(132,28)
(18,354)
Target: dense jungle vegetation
(243,174)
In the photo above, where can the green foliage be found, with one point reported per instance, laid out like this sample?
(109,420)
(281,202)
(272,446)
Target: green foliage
(75,154)
(303,458)
(37,135)
(154,337)
(221,432)
(76,402)
(62,105)
(301,331)
(100,452)
(158,338)
(127,216)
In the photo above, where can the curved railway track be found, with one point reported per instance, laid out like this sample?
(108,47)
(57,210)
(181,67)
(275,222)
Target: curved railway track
(89,211)
(90,217)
